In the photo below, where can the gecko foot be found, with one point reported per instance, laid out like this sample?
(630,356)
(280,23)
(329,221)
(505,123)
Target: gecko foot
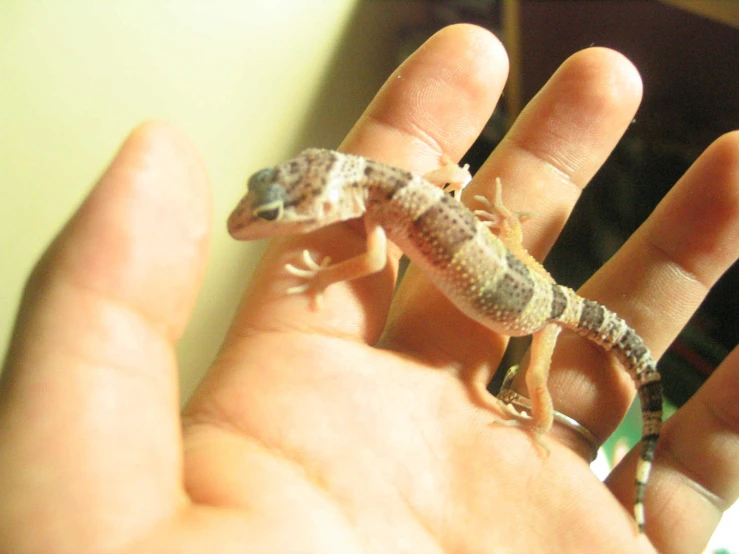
(495,214)
(523,421)
(310,273)
(504,408)
(454,176)
(508,227)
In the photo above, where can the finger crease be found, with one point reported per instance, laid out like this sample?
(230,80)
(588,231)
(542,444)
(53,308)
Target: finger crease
(680,268)
(693,478)
(219,419)
(416,134)
(559,170)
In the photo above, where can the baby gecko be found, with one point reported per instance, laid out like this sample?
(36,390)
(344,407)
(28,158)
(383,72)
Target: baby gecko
(490,277)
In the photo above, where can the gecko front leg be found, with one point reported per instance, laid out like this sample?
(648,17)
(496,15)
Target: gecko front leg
(319,276)
(456,177)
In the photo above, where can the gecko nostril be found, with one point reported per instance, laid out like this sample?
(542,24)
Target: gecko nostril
(235,221)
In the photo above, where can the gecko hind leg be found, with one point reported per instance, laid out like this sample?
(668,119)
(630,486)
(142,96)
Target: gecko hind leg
(537,373)
(504,411)
(540,414)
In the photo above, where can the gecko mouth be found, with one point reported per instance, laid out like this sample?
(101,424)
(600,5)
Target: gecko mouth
(236,222)
(243,225)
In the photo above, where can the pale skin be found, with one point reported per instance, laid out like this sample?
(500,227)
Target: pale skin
(307,436)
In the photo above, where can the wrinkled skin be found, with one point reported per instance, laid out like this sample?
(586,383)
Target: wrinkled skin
(347,429)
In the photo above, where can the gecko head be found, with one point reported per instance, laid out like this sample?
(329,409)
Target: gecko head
(265,209)
(294,197)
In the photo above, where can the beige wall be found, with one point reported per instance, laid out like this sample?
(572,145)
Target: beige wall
(250,81)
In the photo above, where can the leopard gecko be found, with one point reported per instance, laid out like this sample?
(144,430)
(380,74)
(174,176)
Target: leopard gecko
(489,277)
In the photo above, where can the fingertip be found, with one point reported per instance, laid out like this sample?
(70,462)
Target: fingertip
(479,50)
(697,223)
(594,85)
(158,149)
(615,78)
(568,130)
(141,236)
(436,103)
(719,166)
(722,158)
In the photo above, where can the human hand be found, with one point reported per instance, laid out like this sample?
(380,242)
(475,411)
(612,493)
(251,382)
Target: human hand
(305,435)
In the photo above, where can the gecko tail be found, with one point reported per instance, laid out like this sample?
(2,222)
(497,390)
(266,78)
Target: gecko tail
(650,396)
(643,469)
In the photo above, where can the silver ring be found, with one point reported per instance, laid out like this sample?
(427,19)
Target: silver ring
(508,396)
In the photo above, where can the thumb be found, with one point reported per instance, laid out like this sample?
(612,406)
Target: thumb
(89,413)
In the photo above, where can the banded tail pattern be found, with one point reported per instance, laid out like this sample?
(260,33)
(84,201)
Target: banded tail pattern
(602,326)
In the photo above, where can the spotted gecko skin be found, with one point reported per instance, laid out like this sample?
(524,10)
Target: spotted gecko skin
(457,251)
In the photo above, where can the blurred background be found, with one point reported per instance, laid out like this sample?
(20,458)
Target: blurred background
(253,82)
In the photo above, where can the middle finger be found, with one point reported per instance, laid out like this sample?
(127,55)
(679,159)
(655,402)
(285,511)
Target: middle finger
(554,148)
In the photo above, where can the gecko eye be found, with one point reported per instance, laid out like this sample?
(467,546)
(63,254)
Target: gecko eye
(270,212)
(269,197)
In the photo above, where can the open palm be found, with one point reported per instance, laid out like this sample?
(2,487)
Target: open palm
(347,429)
